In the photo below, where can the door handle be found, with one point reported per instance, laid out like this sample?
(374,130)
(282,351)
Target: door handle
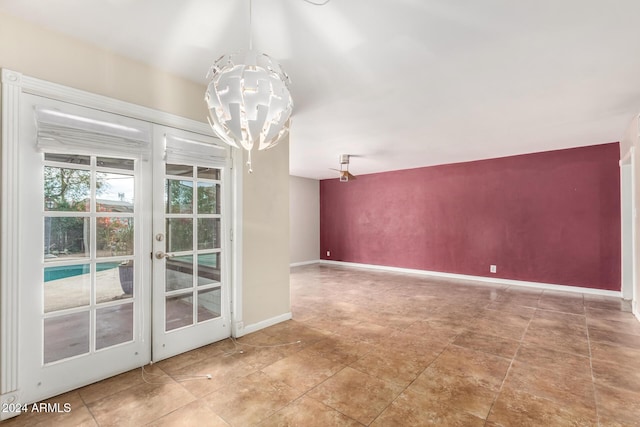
(160,255)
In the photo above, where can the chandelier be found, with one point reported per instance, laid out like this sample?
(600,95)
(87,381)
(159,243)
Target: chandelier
(248,100)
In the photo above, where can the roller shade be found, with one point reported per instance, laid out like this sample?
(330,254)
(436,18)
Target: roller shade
(192,151)
(105,134)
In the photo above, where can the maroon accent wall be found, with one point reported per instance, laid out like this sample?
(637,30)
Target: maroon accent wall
(551,217)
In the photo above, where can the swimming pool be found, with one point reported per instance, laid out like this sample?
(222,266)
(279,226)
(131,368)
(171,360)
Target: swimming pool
(61,272)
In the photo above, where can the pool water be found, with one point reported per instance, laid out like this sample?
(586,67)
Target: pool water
(55,273)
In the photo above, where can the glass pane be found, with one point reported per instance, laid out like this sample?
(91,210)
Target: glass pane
(68,158)
(66,238)
(66,189)
(114,236)
(179,311)
(66,336)
(179,273)
(179,196)
(208,198)
(66,286)
(208,269)
(114,325)
(208,173)
(208,304)
(114,280)
(108,162)
(114,192)
(179,234)
(179,170)
(208,233)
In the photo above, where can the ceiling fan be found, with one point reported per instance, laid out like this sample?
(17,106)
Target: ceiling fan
(345,175)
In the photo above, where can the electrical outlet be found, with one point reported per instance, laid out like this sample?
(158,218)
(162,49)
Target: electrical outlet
(328,253)
(492,269)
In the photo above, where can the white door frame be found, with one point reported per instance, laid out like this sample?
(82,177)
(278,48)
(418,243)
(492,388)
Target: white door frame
(627,229)
(635,201)
(14,84)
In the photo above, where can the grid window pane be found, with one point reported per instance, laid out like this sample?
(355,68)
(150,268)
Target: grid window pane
(208,173)
(114,281)
(179,273)
(209,304)
(114,236)
(66,336)
(208,233)
(67,286)
(66,189)
(114,325)
(208,269)
(114,192)
(66,238)
(208,198)
(179,311)
(179,234)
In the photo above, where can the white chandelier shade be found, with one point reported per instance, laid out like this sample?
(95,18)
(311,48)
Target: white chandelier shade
(249,101)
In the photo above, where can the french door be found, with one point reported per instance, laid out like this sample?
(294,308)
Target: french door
(121,222)
(190,272)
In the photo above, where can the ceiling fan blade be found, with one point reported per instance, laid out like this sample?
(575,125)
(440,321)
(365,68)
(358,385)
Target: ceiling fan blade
(350,175)
(334,169)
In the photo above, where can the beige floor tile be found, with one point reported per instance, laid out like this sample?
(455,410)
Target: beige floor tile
(500,328)
(302,370)
(196,413)
(617,338)
(400,366)
(367,332)
(599,313)
(140,404)
(614,375)
(222,368)
(564,306)
(514,307)
(251,399)
(307,412)
(617,406)
(116,384)
(483,369)
(614,353)
(454,392)
(568,364)
(514,408)
(416,409)
(607,325)
(503,347)
(340,349)
(556,384)
(561,339)
(356,394)
(176,363)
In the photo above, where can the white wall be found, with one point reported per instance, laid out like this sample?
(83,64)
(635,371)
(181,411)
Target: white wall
(265,240)
(304,215)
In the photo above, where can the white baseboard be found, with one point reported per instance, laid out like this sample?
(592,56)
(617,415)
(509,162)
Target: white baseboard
(635,308)
(499,281)
(254,327)
(298,264)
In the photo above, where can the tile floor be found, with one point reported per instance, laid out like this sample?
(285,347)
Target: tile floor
(383,349)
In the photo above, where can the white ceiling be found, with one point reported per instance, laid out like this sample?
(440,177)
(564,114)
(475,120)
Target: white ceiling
(402,83)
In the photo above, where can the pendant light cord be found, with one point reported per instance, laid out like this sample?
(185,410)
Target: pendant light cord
(250,25)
